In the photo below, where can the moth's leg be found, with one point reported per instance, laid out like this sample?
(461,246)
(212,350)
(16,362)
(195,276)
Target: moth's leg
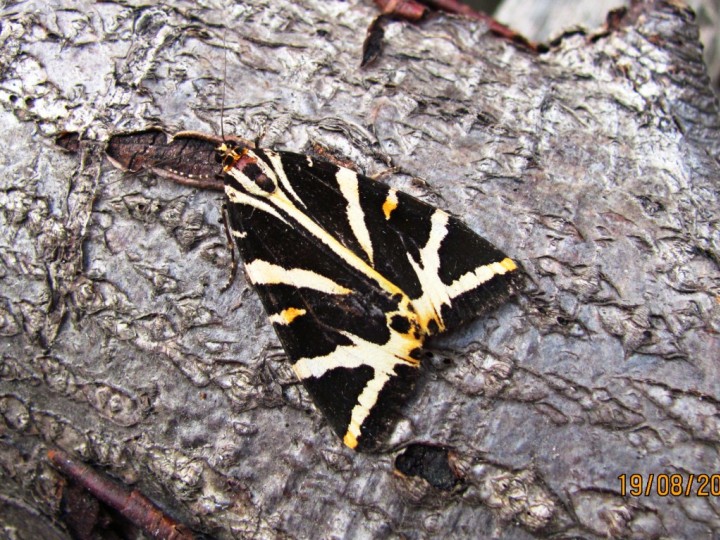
(380,176)
(231,247)
(327,154)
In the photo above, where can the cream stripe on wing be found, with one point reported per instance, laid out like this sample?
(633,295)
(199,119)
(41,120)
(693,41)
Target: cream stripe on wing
(348,182)
(480,275)
(366,401)
(382,358)
(264,273)
(435,292)
(281,201)
(279,170)
(239,197)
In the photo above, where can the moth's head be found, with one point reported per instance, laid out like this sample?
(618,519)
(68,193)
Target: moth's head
(248,169)
(228,155)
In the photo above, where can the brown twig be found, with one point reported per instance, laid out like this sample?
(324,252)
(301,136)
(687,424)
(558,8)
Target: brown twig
(132,504)
(409,10)
(414,10)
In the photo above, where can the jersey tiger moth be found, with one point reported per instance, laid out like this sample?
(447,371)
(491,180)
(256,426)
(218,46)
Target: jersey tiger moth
(354,274)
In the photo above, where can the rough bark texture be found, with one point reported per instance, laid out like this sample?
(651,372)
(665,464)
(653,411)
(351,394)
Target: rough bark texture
(542,20)
(595,165)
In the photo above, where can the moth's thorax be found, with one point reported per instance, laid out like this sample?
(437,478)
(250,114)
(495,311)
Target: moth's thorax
(249,170)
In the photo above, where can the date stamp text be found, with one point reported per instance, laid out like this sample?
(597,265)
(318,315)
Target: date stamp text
(670,485)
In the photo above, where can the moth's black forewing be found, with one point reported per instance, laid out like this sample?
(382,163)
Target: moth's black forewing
(380,250)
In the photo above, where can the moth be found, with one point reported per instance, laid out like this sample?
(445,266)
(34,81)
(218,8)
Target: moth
(353,274)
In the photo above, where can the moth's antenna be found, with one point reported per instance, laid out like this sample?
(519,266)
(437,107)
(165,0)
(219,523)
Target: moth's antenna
(224,83)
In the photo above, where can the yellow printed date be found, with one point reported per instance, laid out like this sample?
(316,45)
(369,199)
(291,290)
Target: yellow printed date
(670,485)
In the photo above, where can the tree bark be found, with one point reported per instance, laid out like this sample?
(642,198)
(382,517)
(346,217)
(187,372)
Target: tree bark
(595,165)
(542,20)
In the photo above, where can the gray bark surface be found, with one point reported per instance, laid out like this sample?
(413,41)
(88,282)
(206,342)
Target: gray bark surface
(595,165)
(542,20)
